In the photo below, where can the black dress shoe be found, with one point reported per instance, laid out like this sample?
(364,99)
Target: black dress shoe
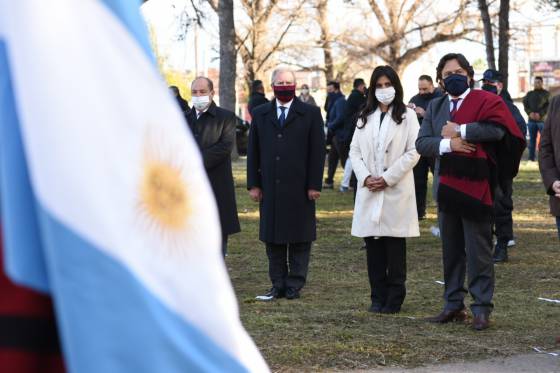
(375,308)
(447,316)
(390,310)
(273,293)
(501,252)
(292,293)
(481,322)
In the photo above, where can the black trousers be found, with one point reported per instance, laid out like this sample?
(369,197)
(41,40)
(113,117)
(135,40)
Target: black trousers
(421,170)
(333,159)
(288,264)
(467,252)
(224,244)
(386,263)
(503,208)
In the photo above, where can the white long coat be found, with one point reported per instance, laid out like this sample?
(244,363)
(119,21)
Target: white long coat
(389,151)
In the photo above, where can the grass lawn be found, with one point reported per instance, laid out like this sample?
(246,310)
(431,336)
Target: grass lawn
(329,326)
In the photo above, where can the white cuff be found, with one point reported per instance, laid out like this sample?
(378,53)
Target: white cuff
(463,131)
(444,146)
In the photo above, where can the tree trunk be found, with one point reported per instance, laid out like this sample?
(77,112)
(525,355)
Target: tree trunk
(488,35)
(326,39)
(228,58)
(503,57)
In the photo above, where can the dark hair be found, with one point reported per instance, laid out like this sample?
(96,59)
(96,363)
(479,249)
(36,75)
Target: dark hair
(399,108)
(463,62)
(175,90)
(426,78)
(256,85)
(335,84)
(358,82)
(539,78)
(210,83)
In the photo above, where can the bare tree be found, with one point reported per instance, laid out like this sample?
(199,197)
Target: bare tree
(260,40)
(488,33)
(503,27)
(410,28)
(326,38)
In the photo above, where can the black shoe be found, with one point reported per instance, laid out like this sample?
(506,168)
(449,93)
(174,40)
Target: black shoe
(292,293)
(328,185)
(390,310)
(500,252)
(273,293)
(375,308)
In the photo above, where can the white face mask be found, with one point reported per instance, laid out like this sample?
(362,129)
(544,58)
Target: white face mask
(305,91)
(200,103)
(385,95)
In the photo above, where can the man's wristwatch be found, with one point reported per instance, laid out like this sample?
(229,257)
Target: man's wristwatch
(458,130)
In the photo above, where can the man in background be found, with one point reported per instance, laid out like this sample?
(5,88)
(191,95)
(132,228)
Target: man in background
(333,96)
(536,106)
(492,81)
(213,129)
(257,97)
(419,103)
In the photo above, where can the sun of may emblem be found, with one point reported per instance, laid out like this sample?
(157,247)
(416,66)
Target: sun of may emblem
(163,195)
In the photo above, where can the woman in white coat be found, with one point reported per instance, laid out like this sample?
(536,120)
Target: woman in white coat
(383,154)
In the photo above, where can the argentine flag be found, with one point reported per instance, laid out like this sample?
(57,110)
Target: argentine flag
(105,203)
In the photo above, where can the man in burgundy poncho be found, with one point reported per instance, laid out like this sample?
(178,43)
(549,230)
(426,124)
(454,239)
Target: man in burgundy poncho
(477,146)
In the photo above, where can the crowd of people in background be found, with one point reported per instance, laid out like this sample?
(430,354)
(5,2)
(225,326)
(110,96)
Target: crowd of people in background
(470,136)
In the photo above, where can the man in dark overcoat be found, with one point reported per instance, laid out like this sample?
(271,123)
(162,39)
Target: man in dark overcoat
(214,131)
(285,158)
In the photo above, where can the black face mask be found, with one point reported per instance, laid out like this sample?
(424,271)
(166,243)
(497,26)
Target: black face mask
(456,84)
(426,96)
(490,88)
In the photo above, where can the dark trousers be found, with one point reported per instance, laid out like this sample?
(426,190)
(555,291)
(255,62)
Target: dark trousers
(224,244)
(503,207)
(421,170)
(288,264)
(386,263)
(333,159)
(534,128)
(343,149)
(558,225)
(467,245)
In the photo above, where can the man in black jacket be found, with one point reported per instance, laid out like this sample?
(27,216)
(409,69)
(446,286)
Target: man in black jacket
(214,131)
(285,161)
(333,96)
(503,204)
(536,106)
(257,96)
(419,103)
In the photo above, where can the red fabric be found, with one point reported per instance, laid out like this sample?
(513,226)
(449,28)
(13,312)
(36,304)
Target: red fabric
(480,106)
(13,361)
(26,304)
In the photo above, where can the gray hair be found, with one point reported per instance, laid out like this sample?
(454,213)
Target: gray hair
(281,70)
(210,83)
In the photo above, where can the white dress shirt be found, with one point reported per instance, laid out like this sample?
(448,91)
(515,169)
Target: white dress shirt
(445,144)
(286,105)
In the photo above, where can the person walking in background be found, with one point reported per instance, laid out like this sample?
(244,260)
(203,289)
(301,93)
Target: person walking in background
(492,81)
(336,126)
(305,95)
(477,145)
(333,95)
(383,154)
(257,97)
(549,158)
(183,104)
(419,103)
(354,104)
(536,106)
(285,162)
(213,129)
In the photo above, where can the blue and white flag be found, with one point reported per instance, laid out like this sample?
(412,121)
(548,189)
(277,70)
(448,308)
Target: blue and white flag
(105,201)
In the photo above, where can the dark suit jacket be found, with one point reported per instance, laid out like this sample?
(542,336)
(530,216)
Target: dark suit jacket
(549,155)
(285,163)
(214,133)
(429,137)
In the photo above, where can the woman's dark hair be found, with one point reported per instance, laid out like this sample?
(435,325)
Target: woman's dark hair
(461,60)
(399,108)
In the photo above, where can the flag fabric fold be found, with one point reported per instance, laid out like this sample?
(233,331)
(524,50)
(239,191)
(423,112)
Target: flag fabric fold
(105,201)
